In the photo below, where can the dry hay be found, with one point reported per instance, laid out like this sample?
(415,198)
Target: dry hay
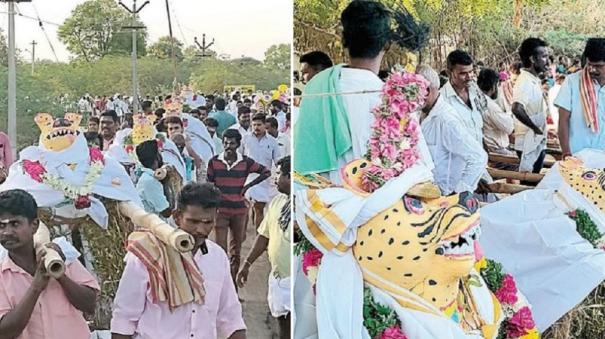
(107,250)
(585,321)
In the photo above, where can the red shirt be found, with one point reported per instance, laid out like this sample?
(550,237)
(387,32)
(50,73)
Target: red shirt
(231,180)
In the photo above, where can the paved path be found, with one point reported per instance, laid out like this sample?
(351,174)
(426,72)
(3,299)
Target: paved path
(260,323)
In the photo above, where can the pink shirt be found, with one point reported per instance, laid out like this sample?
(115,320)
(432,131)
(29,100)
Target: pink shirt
(219,316)
(54,317)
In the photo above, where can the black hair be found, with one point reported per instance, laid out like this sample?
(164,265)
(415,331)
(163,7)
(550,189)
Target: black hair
(595,49)
(173,120)
(247,100)
(318,60)
(147,152)
(93,138)
(528,49)
(272,121)
(368,28)
(243,110)
(487,79)
(297,91)
(233,134)
(195,111)
(211,122)
(220,104)
(205,195)
(284,165)
(110,113)
(278,104)
(146,104)
(458,57)
(19,203)
(93,119)
(259,117)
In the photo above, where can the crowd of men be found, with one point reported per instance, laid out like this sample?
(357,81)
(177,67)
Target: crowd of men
(514,109)
(247,178)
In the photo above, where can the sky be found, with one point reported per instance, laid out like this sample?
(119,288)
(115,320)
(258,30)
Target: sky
(239,27)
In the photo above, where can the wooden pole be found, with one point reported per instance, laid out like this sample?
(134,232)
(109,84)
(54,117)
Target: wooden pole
(531,177)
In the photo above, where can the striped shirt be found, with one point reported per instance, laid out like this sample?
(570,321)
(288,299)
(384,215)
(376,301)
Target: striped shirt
(230,179)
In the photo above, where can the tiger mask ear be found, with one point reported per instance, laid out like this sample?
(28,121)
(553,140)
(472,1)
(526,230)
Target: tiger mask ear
(75,119)
(45,122)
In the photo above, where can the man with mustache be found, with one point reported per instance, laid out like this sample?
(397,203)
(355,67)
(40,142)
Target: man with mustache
(109,125)
(229,171)
(461,93)
(209,309)
(581,121)
(528,106)
(32,304)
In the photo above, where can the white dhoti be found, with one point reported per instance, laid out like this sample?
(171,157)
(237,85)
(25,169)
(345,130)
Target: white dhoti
(279,296)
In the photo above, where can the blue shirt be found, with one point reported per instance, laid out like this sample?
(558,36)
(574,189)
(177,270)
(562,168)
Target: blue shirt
(151,192)
(580,136)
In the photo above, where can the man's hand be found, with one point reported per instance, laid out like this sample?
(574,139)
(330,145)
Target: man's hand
(41,277)
(245,189)
(242,275)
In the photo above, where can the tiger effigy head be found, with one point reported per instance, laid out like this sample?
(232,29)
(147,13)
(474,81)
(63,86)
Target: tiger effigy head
(143,128)
(60,133)
(173,107)
(589,182)
(425,247)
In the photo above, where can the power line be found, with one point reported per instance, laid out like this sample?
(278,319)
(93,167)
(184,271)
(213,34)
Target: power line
(41,24)
(178,23)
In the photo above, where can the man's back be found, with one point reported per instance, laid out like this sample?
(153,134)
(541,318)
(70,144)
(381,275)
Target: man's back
(224,121)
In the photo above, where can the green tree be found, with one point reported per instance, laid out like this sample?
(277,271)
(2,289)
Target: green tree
(162,49)
(278,57)
(96,29)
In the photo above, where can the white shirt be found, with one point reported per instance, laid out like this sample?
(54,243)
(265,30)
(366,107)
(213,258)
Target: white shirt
(527,92)
(241,131)
(497,126)
(554,111)
(265,151)
(459,159)
(471,117)
(283,143)
(281,120)
(359,111)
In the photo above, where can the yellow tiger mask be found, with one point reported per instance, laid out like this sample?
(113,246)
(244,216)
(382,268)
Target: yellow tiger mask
(589,182)
(60,133)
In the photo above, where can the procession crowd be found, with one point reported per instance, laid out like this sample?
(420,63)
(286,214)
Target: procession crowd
(244,182)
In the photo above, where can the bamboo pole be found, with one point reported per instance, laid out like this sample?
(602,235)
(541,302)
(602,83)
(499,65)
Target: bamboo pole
(513,160)
(178,239)
(54,264)
(532,177)
(502,187)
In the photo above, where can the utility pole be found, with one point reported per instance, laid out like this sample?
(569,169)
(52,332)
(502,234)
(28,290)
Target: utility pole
(12,77)
(135,86)
(33,43)
(203,46)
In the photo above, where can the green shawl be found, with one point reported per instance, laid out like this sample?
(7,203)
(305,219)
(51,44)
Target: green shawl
(322,132)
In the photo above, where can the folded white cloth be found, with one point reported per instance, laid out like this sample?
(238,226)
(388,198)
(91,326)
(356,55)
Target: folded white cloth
(278,296)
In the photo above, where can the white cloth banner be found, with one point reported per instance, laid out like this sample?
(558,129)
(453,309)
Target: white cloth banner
(555,268)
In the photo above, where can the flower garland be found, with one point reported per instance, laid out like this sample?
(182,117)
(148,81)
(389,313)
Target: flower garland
(519,322)
(392,146)
(80,196)
(587,228)
(129,146)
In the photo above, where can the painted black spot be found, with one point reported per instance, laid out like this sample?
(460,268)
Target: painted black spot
(432,282)
(433,299)
(369,258)
(416,258)
(380,254)
(360,257)
(407,275)
(382,231)
(391,241)
(361,243)
(440,251)
(399,223)
(370,233)
(423,243)
(388,268)
(354,170)
(407,242)
(425,249)
(386,217)
(400,257)
(363,165)
(395,210)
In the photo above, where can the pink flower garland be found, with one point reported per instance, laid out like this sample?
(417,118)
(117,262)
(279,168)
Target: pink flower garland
(507,293)
(393,332)
(311,258)
(520,323)
(392,146)
(34,169)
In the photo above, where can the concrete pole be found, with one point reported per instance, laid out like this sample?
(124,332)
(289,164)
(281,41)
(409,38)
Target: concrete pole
(135,86)
(12,81)
(33,43)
